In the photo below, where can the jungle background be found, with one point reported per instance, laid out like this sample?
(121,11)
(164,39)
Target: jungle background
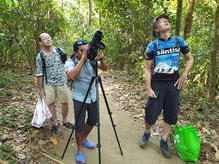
(126,25)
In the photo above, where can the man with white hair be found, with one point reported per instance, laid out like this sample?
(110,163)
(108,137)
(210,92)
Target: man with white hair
(52,79)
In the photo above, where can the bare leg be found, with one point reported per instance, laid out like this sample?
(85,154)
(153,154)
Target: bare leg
(87,131)
(53,111)
(64,111)
(166,130)
(79,138)
(148,127)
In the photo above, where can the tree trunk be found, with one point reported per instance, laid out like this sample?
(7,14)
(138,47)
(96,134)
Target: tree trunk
(36,43)
(188,20)
(214,54)
(90,9)
(100,25)
(2,59)
(36,35)
(178,16)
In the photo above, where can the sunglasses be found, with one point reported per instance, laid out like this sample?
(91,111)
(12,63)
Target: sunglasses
(81,42)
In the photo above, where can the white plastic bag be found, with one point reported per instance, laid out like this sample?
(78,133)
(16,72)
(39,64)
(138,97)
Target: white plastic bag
(41,114)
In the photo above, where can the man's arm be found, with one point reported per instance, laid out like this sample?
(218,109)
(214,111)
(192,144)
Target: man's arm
(40,86)
(189,63)
(150,91)
(39,74)
(103,65)
(73,73)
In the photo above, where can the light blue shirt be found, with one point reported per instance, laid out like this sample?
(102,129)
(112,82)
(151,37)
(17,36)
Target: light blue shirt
(81,83)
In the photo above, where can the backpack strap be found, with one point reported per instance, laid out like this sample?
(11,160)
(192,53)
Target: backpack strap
(156,48)
(73,59)
(70,82)
(91,62)
(43,65)
(156,45)
(62,55)
(176,42)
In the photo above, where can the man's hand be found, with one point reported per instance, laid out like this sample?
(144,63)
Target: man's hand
(181,81)
(41,93)
(84,53)
(151,93)
(99,57)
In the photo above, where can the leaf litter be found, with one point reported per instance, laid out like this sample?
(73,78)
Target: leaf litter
(132,97)
(20,142)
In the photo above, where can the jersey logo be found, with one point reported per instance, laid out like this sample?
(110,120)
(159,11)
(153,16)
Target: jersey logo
(164,68)
(168,51)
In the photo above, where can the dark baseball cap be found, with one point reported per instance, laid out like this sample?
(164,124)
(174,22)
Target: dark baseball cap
(155,21)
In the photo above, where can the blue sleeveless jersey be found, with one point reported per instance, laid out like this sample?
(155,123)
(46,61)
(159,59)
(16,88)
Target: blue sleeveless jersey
(165,55)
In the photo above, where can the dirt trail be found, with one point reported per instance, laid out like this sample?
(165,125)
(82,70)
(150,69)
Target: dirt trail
(129,132)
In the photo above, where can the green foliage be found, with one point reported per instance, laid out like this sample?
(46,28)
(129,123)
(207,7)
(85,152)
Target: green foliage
(8,153)
(21,25)
(195,104)
(201,41)
(127,33)
(8,79)
(126,26)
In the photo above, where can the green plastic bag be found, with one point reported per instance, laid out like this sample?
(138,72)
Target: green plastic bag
(187,143)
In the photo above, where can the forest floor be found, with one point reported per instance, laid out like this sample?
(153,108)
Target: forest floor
(21,143)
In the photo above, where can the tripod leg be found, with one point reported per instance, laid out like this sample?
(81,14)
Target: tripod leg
(76,122)
(110,114)
(98,123)
(68,143)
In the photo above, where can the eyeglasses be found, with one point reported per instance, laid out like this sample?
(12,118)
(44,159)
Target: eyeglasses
(80,42)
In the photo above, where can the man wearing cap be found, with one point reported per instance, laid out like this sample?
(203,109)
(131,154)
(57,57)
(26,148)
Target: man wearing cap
(79,69)
(163,81)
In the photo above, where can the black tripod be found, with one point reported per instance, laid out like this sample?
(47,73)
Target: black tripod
(97,79)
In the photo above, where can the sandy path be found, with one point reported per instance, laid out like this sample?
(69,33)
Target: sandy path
(129,132)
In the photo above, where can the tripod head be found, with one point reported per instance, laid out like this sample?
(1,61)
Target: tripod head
(94,64)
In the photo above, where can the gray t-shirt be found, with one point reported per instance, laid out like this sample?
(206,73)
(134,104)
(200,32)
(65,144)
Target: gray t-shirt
(55,70)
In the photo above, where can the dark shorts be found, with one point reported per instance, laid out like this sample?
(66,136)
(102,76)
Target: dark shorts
(167,99)
(91,109)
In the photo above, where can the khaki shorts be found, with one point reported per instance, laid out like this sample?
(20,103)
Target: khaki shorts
(53,93)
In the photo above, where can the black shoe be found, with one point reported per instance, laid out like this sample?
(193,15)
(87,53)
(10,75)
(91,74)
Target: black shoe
(164,148)
(54,129)
(143,142)
(68,125)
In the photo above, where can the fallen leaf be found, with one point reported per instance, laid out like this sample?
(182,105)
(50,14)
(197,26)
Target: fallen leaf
(18,148)
(5,137)
(216,151)
(3,162)
(155,134)
(54,141)
(205,130)
(21,156)
(35,132)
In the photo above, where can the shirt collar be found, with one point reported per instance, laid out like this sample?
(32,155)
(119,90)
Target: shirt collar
(164,40)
